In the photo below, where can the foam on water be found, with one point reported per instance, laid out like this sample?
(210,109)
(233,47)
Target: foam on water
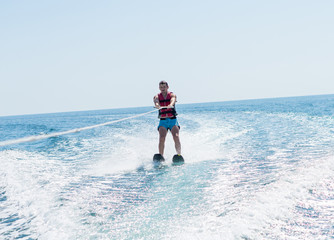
(134,149)
(31,186)
(270,212)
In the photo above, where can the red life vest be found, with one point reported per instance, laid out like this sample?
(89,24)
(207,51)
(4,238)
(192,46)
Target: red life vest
(166,112)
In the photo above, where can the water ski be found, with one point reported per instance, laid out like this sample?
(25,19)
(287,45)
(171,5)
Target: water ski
(158,158)
(178,159)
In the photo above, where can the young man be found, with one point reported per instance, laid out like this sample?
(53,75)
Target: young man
(165,101)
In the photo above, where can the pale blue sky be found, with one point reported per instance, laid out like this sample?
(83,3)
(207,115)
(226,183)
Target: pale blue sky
(83,55)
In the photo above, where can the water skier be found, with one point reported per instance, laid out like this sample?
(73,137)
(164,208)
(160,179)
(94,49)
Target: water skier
(165,102)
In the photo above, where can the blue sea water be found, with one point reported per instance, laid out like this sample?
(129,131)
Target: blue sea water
(255,169)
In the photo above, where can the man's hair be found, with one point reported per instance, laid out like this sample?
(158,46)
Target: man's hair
(163,82)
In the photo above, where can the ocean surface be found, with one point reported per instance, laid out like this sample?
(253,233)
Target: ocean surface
(255,169)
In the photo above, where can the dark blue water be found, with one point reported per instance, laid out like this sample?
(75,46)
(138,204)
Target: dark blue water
(256,169)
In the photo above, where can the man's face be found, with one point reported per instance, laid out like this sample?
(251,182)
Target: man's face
(163,88)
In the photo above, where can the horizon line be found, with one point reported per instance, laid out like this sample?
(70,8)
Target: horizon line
(118,108)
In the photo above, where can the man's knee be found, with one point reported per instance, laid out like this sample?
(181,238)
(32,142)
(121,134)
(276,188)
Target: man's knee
(162,138)
(175,131)
(162,133)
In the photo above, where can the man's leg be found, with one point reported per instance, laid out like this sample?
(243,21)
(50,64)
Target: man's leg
(162,138)
(175,132)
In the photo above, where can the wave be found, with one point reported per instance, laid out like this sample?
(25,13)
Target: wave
(248,174)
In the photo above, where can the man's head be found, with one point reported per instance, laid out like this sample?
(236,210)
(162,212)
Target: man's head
(163,86)
(163,82)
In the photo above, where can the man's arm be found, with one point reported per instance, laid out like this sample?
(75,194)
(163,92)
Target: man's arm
(156,101)
(172,101)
